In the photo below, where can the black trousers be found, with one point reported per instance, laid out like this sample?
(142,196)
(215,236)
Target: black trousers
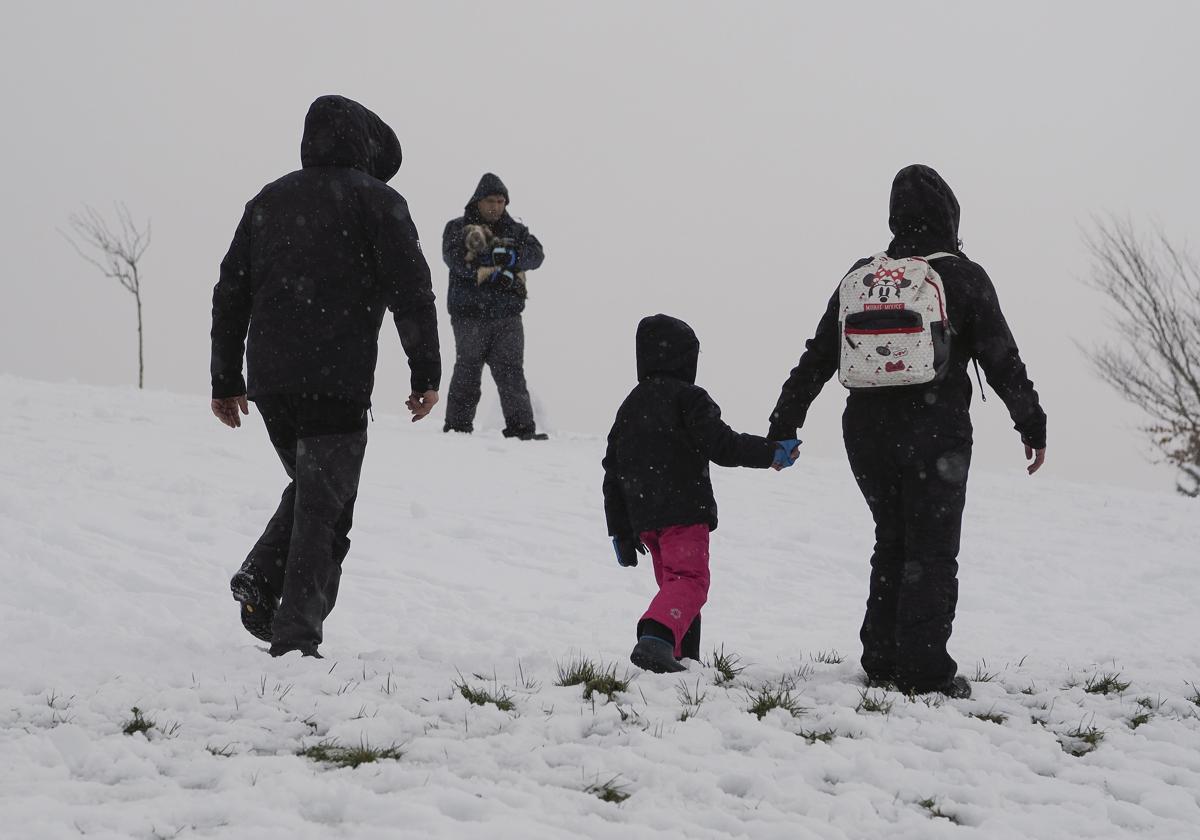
(915,482)
(321,443)
(500,344)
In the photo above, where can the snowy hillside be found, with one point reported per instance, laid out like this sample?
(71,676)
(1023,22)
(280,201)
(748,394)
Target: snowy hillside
(483,563)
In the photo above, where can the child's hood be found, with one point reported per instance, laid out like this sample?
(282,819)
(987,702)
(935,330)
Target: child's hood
(668,347)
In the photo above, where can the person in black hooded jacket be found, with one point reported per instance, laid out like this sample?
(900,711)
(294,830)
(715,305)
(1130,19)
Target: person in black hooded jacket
(318,258)
(657,491)
(910,447)
(488,253)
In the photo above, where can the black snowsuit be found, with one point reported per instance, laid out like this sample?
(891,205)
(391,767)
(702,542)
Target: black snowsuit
(666,433)
(317,259)
(486,318)
(910,448)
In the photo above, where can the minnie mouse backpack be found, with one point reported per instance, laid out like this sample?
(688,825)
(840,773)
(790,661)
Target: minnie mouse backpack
(893,322)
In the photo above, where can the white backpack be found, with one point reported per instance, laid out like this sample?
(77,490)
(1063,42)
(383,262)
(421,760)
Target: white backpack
(893,323)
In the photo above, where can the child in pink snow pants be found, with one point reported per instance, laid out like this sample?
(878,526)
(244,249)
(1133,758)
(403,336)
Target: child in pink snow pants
(657,492)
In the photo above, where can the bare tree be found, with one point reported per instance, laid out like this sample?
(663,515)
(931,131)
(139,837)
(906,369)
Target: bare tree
(115,250)
(1155,364)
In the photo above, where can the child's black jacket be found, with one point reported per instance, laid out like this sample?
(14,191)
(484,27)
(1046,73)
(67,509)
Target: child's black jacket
(666,433)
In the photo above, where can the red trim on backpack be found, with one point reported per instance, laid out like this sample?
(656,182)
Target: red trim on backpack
(938,291)
(891,331)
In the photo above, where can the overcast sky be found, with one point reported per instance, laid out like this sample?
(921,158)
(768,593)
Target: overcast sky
(722,162)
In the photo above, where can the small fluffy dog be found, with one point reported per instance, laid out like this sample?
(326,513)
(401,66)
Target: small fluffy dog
(479,240)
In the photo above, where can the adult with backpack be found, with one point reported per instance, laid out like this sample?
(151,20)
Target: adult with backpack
(901,330)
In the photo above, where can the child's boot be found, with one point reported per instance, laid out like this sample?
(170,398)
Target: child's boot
(689,646)
(656,655)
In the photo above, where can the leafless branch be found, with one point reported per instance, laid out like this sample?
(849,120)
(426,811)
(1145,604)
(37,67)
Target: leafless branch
(1154,287)
(115,249)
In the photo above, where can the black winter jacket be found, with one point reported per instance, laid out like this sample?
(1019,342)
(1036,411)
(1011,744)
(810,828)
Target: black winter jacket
(666,433)
(318,257)
(924,220)
(466,297)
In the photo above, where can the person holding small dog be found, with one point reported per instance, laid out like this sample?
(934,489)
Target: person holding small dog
(488,254)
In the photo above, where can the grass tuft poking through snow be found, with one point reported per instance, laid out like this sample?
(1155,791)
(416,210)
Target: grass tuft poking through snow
(691,698)
(1081,740)
(608,791)
(1105,684)
(935,811)
(1194,697)
(775,695)
(498,696)
(605,683)
(874,702)
(577,671)
(828,657)
(137,723)
(728,665)
(991,716)
(331,752)
(982,674)
(825,736)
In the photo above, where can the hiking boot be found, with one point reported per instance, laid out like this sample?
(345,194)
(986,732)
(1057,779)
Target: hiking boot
(464,430)
(305,650)
(958,688)
(655,655)
(257,604)
(525,434)
(885,681)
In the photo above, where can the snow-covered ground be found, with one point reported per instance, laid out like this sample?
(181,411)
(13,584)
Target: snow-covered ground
(484,562)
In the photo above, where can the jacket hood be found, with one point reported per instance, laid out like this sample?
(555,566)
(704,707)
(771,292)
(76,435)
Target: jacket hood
(340,132)
(489,184)
(666,346)
(923,213)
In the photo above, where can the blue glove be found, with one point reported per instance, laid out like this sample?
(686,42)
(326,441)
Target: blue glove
(504,256)
(627,549)
(783,453)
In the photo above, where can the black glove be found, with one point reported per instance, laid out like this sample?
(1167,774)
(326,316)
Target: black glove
(627,549)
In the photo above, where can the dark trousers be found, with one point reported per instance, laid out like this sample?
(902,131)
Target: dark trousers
(915,483)
(500,344)
(321,443)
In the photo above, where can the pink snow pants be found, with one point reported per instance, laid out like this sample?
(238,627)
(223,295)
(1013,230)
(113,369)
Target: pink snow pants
(680,555)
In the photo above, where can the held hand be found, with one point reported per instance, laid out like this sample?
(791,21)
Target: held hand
(1037,455)
(226,410)
(421,404)
(786,453)
(627,550)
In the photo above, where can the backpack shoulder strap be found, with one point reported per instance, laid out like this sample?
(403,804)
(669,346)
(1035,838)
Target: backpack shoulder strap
(939,255)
